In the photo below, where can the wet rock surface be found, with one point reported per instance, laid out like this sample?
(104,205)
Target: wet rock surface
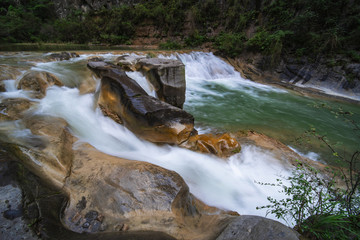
(38,82)
(63,56)
(168,78)
(221,145)
(14,108)
(255,228)
(8,72)
(13,226)
(126,196)
(323,77)
(128,62)
(147,117)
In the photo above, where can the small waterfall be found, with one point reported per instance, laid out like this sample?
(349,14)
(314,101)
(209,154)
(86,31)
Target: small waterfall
(216,95)
(141,80)
(228,184)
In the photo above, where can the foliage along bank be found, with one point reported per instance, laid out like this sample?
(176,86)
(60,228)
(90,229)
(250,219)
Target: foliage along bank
(296,27)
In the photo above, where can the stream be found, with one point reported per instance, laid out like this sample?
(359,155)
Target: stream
(220,100)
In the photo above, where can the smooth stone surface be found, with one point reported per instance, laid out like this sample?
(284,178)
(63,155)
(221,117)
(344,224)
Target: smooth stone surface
(63,56)
(168,78)
(257,228)
(38,82)
(122,99)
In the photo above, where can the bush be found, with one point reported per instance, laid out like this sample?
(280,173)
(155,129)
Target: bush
(320,208)
(230,44)
(195,40)
(170,45)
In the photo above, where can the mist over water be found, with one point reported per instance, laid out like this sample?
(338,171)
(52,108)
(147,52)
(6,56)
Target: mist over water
(220,99)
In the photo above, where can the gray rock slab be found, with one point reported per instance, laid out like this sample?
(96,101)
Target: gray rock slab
(257,228)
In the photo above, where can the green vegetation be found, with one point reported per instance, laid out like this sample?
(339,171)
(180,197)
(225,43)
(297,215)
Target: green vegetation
(323,204)
(231,44)
(170,45)
(298,27)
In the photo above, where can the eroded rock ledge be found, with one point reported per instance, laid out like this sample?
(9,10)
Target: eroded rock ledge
(149,118)
(335,77)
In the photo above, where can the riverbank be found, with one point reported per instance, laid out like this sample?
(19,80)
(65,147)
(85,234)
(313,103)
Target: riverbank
(336,78)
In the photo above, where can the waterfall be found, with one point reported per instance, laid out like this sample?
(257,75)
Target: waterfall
(224,183)
(227,184)
(219,98)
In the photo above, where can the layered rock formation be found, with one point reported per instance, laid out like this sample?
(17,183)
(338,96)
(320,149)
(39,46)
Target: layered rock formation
(168,78)
(326,77)
(149,118)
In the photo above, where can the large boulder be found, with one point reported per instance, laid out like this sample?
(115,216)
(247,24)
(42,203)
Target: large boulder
(256,228)
(147,117)
(42,143)
(168,78)
(38,82)
(111,194)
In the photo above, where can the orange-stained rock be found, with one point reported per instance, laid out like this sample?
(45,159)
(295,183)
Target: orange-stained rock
(38,82)
(221,145)
(110,194)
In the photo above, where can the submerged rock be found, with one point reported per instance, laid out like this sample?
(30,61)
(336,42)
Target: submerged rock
(38,82)
(168,78)
(256,228)
(125,101)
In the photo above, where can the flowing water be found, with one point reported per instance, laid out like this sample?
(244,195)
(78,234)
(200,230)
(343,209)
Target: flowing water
(219,99)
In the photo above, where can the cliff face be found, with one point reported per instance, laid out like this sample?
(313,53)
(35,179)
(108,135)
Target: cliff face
(64,7)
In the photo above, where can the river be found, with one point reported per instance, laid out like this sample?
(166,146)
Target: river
(220,100)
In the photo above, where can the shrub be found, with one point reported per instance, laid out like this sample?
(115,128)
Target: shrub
(170,45)
(320,208)
(195,40)
(230,44)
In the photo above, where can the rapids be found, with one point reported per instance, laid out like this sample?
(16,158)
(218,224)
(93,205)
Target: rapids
(220,99)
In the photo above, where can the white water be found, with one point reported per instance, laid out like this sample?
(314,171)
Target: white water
(310,155)
(228,184)
(141,80)
(225,184)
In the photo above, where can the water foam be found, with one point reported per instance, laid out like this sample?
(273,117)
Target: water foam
(225,184)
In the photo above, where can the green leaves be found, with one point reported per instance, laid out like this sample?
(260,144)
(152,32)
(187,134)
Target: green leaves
(315,204)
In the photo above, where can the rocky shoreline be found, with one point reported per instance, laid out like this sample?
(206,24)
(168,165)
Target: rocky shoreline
(337,78)
(81,193)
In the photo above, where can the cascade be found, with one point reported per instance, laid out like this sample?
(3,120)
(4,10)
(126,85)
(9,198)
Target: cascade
(220,99)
